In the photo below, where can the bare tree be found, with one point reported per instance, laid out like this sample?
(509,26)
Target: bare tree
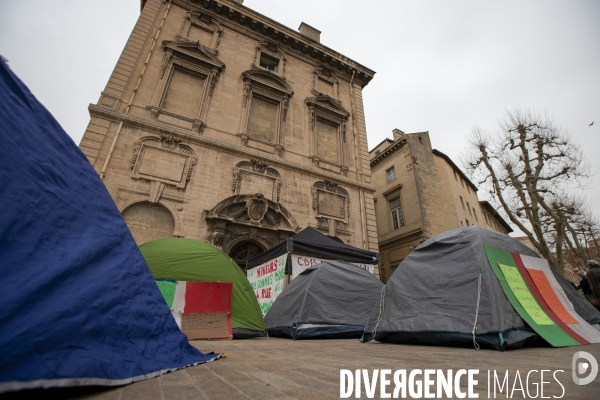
(586,227)
(532,168)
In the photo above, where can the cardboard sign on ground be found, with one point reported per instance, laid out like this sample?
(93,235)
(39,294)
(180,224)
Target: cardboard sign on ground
(205,326)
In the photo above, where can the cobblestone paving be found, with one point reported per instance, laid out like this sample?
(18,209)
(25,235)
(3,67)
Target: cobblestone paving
(276,368)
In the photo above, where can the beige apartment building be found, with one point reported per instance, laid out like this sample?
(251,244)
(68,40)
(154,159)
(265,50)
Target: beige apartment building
(420,193)
(223,125)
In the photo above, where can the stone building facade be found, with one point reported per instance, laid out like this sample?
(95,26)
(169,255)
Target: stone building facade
(420,193)
(223,125)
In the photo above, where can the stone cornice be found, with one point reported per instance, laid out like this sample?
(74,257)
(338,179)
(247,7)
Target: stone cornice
(246,152)
(387,151)
(485,204)
(236,15)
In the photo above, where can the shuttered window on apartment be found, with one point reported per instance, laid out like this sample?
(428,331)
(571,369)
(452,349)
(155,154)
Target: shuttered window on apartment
(396,209)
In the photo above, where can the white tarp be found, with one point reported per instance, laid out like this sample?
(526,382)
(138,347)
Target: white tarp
(267,280)
(300,263)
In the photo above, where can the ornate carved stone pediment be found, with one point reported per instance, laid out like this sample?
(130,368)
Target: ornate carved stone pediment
(327,104)
(257,207)
(251,210)
(194,50)
(268,79)
(256,175)
(251,217)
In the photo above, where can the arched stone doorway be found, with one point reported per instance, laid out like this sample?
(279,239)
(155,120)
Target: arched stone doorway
(243,251)
(251,219)
(149,222)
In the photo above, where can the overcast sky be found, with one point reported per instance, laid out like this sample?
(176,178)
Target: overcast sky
(441,66)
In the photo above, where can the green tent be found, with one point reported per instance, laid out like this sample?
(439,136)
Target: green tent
(193,260)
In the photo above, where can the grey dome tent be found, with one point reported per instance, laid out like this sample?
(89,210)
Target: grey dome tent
(432,296)
(333,299)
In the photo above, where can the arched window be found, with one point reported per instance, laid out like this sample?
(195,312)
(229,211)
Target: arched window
(244,251)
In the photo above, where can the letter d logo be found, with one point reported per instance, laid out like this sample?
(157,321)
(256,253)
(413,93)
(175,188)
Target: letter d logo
(581,367)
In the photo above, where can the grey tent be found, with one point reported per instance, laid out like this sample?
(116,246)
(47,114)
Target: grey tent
(333,299)
(432,296)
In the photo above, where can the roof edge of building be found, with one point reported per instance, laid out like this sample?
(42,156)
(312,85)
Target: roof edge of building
(486,204)
(250,19)
(455,167)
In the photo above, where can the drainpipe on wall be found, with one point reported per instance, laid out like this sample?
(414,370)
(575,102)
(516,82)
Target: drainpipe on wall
(137,85)
(359,175)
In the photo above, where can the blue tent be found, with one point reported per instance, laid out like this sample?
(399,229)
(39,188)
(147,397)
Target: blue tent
(78,303)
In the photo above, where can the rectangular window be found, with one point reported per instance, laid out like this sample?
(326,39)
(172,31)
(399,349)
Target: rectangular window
(469,208)
(468,190)
(268,62)
(455,175)
(475,214)
(462,182)
(467,221)
(184,94)
(462,203)
(391,174)
(262,120)
(396,209)
(327,141)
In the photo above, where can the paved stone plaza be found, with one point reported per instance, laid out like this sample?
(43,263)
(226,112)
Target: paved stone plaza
(276,368)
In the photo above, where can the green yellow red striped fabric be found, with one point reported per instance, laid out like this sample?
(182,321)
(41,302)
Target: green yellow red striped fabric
(538,298)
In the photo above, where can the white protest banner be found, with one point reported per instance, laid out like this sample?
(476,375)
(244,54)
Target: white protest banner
(300,263)
(267,281)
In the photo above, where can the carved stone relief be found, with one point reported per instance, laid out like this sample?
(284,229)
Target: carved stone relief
(163,161)
(248,217)
(331,201)
(256,177)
